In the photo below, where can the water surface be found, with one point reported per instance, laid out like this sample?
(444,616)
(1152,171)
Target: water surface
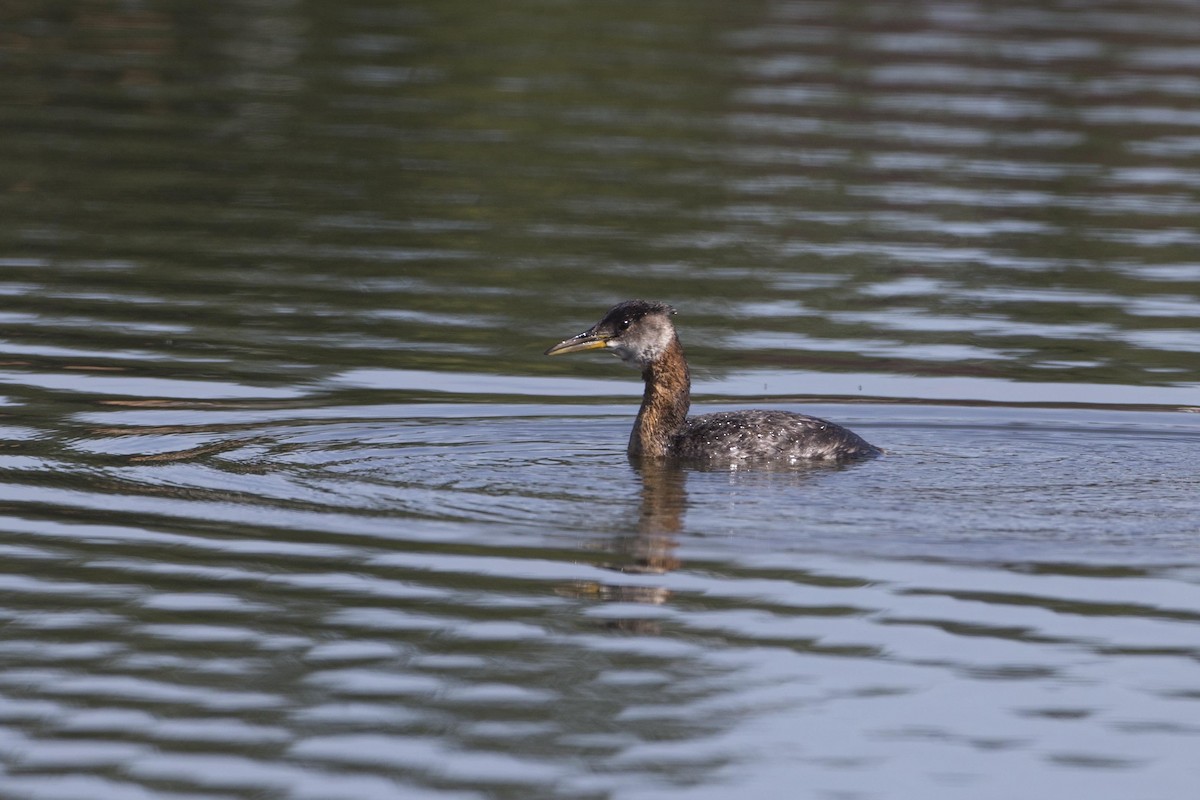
(291,505)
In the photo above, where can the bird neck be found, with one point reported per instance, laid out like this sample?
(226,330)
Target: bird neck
(665,403)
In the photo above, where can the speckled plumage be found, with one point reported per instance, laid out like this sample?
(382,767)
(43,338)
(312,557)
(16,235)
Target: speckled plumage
(766,435)
(641,334)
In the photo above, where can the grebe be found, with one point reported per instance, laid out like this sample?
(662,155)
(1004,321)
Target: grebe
(641,334)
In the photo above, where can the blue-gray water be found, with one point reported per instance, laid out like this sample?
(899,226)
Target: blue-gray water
(292,506)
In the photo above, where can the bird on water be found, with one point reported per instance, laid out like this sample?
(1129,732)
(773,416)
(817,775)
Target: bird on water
(642,335)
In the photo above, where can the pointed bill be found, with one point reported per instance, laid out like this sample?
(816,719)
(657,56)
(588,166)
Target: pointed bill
(588,340)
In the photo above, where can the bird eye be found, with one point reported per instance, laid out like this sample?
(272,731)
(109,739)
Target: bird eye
(622,325)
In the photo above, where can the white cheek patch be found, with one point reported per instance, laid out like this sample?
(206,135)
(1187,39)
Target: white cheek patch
(624,353)
(638,357)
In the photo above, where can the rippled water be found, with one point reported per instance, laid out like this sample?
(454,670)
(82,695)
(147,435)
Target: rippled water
(292,506)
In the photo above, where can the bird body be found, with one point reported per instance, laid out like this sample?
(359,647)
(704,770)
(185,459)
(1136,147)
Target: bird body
(641,334)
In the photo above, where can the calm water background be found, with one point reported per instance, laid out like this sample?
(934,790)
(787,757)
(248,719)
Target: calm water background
(291,505)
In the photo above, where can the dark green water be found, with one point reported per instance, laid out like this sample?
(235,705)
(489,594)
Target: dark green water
(292,506)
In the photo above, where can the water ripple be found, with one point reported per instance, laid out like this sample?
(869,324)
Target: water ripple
(292,506)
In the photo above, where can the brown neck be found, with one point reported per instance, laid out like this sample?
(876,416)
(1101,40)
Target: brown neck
(664,403)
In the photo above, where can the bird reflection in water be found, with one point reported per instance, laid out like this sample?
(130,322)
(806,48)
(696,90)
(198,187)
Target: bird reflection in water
(650,542)
(649,548)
